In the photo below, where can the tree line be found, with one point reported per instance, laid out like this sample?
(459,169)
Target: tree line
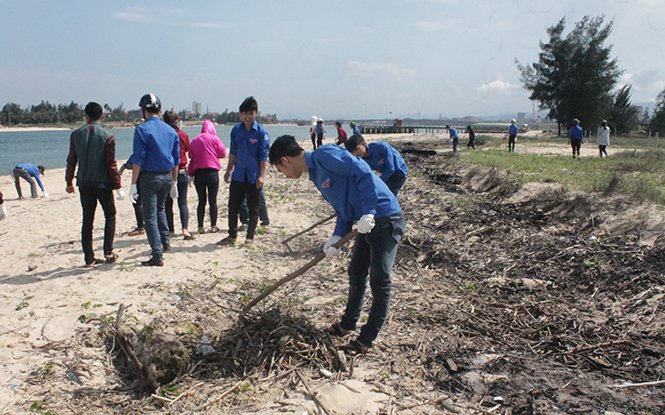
(47,113)
(575,77)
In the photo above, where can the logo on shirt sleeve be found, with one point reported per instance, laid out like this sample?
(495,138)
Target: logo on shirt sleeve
(326,184)
(381,161)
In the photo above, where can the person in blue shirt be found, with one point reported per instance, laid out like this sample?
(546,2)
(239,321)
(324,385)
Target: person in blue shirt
(453,136)
(512,135)
(381,157)
(356,194)
(575,137)
(248,159)
(356,131)
(30,173)
(155,158)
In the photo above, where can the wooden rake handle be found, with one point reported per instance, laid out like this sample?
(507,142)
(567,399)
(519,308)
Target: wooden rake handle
(298,272)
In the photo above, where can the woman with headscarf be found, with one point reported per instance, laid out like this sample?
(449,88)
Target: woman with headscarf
(205,150)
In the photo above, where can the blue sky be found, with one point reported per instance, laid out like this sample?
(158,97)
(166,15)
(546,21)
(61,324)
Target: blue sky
(336,59)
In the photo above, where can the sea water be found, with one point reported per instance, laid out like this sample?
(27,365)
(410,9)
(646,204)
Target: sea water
(50,148)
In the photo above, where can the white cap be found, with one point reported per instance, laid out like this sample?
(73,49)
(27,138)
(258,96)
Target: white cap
(513,120)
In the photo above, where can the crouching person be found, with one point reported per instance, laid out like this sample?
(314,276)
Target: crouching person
(356,194)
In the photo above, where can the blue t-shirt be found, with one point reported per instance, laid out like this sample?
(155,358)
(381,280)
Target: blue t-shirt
(453,134)
(33,171)
(383,158)
(513,130)
(156,146)
(349,185)
(250,148)
(356,131)
(576,132)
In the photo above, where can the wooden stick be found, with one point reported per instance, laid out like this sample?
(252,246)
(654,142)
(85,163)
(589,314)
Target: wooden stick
(298,272)
(286,241)
(217,398)
(630,385)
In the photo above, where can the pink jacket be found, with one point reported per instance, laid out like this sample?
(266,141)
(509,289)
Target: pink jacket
(206,149)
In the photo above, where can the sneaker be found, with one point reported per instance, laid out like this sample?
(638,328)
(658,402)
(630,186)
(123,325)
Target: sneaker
(166,247)
(152,262)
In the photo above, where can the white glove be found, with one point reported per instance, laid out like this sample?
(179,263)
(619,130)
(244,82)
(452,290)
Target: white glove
(120,194)
(329,249)
(366,223)
(3,212)
(133,193)
(174,191)
(46,195)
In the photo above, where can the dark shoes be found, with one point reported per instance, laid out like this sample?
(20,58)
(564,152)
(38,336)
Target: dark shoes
(336,330)
(166,247)
(152,262)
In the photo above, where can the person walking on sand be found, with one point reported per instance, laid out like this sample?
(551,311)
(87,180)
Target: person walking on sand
(603,138)
(156,158)
(383,158)
(205,151)
(312,130)
(575,137)
(356,194)
(171,118)
(472,137)
(246,168)
(453,136)
(320,132)
(512,135)
(341,134)
(93,149)
(30,173)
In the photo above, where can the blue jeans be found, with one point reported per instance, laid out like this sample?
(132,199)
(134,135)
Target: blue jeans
(373,255)
(395,183)
(183,182)
(155,186)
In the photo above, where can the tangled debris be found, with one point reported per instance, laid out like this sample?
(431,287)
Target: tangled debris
(504,301)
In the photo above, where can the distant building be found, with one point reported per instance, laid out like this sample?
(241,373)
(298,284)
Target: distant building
(196,108)
(521,116)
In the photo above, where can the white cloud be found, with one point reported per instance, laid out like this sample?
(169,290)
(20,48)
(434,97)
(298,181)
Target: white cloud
(497,86)
(381,69)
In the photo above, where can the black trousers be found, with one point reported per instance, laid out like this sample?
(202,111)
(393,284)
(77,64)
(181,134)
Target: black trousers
(89,198)
(206,182)
(237,193)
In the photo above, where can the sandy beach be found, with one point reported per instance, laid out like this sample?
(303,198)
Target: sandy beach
(46,289)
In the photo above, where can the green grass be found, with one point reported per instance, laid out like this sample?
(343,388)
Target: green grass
(637,174)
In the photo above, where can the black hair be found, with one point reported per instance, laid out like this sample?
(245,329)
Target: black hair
(284,146)
(353,142)
(337,123)
(41,169)
(249,105)
(447,126)
(94,111)
(171,118)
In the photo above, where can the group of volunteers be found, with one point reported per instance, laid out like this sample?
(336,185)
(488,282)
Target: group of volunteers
(575,137)
(160,171)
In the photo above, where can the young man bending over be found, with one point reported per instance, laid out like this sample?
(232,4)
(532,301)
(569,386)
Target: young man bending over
(356,194)
(381,157)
